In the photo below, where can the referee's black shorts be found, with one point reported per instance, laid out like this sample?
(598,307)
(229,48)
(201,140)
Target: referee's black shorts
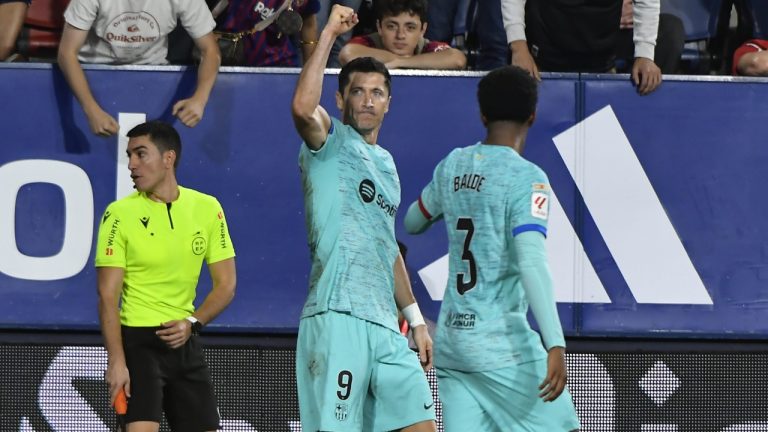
(176,381)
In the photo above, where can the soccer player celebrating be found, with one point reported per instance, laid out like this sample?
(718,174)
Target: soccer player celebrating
(354,369)
(493,372)
(151,247)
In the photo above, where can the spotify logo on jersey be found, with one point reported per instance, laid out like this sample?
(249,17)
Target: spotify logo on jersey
(367,190)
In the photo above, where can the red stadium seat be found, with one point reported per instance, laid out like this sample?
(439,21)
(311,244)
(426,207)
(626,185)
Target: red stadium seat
(42,28)
(46,14)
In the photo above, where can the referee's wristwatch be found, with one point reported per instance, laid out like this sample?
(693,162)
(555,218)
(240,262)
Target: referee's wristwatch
(196,325)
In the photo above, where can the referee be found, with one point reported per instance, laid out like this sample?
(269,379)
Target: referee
(150,249)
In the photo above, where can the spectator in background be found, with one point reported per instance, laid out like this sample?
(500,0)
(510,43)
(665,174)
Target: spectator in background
(271,47)
(447,19)
(134,32)
(322,19)
(12,13)
(669,44)
(399,41)
(563,36)
(751,58)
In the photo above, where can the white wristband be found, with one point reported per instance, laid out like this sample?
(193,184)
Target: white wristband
(413,315)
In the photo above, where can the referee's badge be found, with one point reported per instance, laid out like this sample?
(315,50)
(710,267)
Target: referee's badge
(540,205)
(198,245)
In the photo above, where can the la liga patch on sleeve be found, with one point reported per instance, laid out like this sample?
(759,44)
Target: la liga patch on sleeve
(540,205)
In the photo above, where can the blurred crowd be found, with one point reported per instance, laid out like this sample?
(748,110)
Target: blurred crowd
(645,38)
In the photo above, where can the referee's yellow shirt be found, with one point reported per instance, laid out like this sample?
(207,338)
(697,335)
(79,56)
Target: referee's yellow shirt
(161,246)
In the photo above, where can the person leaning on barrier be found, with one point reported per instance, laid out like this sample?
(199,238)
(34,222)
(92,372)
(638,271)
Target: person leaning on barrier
(134,32)
(669,42)
(563,36)
(399,41)
(150,249)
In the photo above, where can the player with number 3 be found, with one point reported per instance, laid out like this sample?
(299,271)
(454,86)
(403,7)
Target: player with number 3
(493,373)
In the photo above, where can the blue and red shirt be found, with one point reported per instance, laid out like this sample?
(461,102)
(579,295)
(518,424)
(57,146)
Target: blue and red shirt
(267,47)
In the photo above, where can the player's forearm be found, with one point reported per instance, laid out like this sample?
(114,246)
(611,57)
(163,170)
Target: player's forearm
(352,51)
(404,298)
(75,76)
(446,59)
(208,70)
(224,281)
(537,283)
(415,221)
(310,85)
(403,293)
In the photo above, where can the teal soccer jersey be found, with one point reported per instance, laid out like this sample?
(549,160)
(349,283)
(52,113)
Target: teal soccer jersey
(487,194)
(351,194)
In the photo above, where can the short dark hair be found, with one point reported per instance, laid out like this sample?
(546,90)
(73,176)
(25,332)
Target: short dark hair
(162,134)
(387,8)
(508,93)
(364,65)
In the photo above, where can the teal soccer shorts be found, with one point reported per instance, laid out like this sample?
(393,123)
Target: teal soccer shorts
(354,375)
(504,400)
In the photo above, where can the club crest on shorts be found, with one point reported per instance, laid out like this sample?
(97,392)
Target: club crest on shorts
(341,411)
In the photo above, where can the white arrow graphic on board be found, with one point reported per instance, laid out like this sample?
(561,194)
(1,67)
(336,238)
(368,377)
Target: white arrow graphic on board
(628,214)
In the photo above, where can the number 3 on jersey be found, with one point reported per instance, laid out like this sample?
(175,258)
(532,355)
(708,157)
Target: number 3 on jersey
(465,224)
